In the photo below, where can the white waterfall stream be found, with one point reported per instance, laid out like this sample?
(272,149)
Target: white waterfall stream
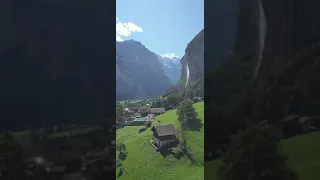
(187,80)
(262,36)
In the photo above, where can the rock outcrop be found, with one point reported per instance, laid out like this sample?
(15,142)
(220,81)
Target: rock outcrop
(269,35)
(220,22)
(193,61)
(289,28)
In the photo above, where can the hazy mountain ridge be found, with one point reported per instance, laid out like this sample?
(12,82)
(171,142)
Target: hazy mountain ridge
(142,75)
(172,67)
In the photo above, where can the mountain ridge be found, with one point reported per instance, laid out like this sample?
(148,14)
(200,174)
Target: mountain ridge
(148,74)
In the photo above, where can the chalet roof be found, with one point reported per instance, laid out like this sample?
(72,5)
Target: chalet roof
(156,110)
(164,130)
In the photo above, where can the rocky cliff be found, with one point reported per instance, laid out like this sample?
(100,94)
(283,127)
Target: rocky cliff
(273,31)
(269,35)
(220,20)
(193,61)
(191,82)
(272,73)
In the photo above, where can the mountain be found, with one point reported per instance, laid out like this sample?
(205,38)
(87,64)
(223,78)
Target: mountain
(273,69)
(192,69)
(171,66)
(222,32)
(140,74)
(193,60)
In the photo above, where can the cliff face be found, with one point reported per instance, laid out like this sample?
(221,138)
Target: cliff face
(193,61)
(220,17)
(250,33)
(269,35)
(289,28)
(293,26)
(275,38)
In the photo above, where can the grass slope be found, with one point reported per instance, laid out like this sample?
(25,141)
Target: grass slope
(303,152)
(143,162)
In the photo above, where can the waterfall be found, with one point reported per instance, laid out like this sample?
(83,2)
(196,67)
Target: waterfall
(262,36)
(187,80)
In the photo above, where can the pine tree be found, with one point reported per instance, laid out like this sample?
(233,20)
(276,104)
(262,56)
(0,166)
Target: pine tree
(186,113)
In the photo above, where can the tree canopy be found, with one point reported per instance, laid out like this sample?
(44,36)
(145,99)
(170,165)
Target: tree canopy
(186,113)
(254,154)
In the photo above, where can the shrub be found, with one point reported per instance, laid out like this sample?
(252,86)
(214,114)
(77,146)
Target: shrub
(148,124)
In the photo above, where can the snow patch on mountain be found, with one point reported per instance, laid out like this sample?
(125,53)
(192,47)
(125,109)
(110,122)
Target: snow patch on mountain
(171,65)
(170,56)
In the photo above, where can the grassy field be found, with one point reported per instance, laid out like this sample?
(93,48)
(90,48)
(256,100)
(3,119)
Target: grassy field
(303,152)
(144,162)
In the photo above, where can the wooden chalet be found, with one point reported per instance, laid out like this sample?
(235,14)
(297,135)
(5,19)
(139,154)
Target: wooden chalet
(156,111)
(164,134)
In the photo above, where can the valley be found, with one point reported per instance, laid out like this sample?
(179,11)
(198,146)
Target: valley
(176,110)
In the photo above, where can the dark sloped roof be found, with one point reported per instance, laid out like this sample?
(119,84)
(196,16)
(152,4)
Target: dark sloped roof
(156,110)
(164,130)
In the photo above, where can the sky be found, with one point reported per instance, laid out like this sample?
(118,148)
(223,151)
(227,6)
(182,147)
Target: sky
(163,26)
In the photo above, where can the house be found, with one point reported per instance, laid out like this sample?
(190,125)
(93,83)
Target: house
(164,134)
(197,99)
(130,118)
(156,111)
(143,110)
(128,113)
(136,115)
(151,116)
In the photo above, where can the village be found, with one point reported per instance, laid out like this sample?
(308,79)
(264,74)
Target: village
(139,116)
(162,134)
(156,130)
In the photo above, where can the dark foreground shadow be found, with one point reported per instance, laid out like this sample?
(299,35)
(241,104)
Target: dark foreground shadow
(195,125)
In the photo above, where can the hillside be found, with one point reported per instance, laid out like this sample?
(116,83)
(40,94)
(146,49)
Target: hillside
(303,153)
(143,162)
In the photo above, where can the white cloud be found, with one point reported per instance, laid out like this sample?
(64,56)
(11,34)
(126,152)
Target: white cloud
(125,29)
(170,55)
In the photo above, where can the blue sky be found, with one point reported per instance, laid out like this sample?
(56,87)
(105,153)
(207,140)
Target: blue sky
(163,26)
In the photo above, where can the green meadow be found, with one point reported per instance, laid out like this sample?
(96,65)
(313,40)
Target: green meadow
(143,162)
